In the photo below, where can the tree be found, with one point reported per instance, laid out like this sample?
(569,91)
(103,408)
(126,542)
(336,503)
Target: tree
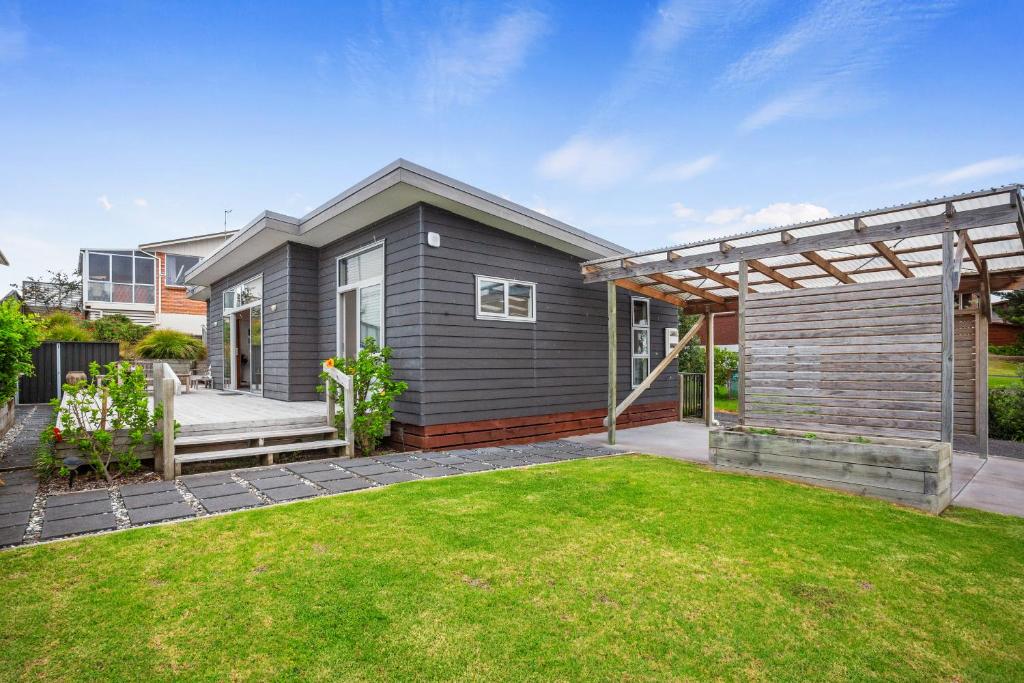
(58,291)
(1011,309)
(19,334)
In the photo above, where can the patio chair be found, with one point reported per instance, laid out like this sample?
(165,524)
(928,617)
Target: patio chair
(202,374)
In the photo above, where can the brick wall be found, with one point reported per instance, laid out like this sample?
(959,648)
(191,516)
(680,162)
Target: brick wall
(172,299)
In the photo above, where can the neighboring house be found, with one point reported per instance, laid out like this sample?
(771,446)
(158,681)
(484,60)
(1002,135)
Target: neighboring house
(480,298)
(174,258)
(1003,333)
(40,296)
(145,284)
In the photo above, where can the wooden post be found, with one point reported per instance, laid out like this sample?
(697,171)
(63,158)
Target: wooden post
(948,314)
(167,398)
(329,385)
(740,338)
(350,416)
(158,379)
(613,354)
(981,381)
(709,370)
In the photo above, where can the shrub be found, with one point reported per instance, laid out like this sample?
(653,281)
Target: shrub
(373,390)
(93,413)
(692,359)
(170,344)
(19,334)
(1006,412)
(117,327)
(61,326)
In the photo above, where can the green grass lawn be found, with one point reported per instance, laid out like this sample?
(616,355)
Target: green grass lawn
(620,568)
(723,402)
(1002,373)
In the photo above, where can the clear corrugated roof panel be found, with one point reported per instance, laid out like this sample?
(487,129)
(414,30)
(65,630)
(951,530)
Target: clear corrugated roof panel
(1008,230)
(925,271)
(994,248)
(1006,262)
(802,271)
(820,282)
(877,276)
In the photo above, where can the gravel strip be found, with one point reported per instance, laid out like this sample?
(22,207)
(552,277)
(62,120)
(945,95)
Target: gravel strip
(8,439)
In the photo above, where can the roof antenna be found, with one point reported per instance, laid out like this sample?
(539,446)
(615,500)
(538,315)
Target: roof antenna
(226,212)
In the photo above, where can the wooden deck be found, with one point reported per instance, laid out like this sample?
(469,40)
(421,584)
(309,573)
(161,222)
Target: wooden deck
(214,407)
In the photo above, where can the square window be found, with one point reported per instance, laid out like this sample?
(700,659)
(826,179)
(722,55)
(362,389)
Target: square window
(121,269)
(363,266)
(144,294)
(99,291)
(520,300)
(175,268)
(122,294)
(144,271)
(99,268)
(492,297)
(641,368)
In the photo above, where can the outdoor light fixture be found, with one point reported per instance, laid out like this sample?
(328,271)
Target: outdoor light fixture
(433,239)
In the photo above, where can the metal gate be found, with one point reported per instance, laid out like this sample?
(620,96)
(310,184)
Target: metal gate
(54,360)
(691,394)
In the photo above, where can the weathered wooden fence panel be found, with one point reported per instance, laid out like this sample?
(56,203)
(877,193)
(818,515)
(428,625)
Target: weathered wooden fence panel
(857,359)
(964,370)
(691,394)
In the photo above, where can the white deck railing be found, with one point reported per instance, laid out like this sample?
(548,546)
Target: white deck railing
(345,382)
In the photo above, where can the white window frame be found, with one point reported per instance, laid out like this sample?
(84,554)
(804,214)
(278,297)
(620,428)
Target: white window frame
(483,315)
(633,326)
(358,286)
(229,315)
(108,303)
(167,268)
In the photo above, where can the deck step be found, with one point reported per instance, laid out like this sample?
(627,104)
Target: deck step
(233,437)
(243,426)
(205,456)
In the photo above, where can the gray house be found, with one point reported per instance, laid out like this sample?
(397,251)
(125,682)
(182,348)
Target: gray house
(480,298)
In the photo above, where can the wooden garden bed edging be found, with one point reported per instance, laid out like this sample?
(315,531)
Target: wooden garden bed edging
(914,473)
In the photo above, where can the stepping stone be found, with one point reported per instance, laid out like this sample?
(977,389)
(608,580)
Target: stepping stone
(392,477)
(237,501)
(151,487)
(314,466)
(364,470)
(19,518)
(199,480)
(17,490)
(294,492)
(504,463)
(153,500)
(436,471)
(473,466)
(327,475)
(77,525)
(16,503)
(443,459)
(12,535)
(160,513)
(393,458)
(414,465)
(265,485)
(76,498)
(81,510)
(217,490)
(536,459)
(344,485)
(259,475)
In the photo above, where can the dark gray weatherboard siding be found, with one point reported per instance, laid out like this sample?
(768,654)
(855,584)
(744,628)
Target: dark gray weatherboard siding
(486,369)
(290,350)
(459,369)
(403,245)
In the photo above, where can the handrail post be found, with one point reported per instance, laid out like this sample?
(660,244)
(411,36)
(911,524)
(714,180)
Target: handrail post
(167,397)
(330,402)
(350,412)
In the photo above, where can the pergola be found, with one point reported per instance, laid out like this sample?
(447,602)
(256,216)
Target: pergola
(877,318)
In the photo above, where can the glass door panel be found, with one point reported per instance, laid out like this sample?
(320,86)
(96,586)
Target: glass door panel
(226,339)
(256,349)
(370,313)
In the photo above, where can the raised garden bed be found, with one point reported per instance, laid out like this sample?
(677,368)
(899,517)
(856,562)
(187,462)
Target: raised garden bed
(914,473)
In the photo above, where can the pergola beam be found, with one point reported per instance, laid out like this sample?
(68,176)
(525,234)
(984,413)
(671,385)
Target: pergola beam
(885,252)
(651,292)
(686,287)
(816,258)
(774,274)
(1002,214)
(717,277)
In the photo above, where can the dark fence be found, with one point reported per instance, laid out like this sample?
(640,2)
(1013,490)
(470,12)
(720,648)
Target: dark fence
(691,394)
(54,360)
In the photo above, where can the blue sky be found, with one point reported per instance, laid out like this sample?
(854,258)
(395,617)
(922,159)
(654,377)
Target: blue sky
(646,123)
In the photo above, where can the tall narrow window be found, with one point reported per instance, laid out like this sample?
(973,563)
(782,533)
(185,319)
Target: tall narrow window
(640,338)
(360,304)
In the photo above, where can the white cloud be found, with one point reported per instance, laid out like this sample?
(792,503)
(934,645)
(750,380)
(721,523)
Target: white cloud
(784,213)
(723,216)
(682,212)
(141,202)
(686,170)
(104,202)
(981,169)
(793,104)
(592,162)
(467,62)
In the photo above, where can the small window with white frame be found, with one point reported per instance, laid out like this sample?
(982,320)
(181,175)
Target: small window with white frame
(640,338)
(503,299)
